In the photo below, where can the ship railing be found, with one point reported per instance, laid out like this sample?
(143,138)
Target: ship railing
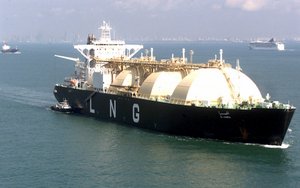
(177,101)
(274,105)
(204,103)
(214,104)
(160,98)
(163,64)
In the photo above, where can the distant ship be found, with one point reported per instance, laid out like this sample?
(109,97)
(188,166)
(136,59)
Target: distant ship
(173,96)
(7,49)
(267,45)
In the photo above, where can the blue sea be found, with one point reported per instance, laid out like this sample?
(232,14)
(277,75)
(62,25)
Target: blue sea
(42,148)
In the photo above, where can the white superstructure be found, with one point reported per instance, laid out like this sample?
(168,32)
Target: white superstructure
(92,72)
(105,47)
(5,47)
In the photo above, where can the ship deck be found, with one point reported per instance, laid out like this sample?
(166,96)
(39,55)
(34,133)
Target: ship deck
(165,64)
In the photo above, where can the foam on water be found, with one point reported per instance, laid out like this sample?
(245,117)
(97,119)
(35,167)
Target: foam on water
(283,146)
(182,138)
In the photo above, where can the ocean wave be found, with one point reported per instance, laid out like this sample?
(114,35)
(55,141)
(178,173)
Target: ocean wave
(27,96)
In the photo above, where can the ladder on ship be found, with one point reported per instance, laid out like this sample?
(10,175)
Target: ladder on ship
(233,92)
(90,96)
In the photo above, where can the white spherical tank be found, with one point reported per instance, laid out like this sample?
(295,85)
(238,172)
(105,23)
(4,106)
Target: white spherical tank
(160,84)
(215,86)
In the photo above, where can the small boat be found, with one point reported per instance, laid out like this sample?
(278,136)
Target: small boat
(7,49)
(62,107)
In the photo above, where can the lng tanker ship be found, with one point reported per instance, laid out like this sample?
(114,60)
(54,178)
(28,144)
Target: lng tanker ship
(173,96)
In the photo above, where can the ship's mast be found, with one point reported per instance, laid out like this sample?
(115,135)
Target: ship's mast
(105,32)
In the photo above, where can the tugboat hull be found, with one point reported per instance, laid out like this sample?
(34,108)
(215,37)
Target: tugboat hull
(255,125)
(58,109)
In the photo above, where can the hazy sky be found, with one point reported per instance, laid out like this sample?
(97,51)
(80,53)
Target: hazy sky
(150,19)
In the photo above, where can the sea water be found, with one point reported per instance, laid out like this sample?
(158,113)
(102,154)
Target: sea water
(42,148)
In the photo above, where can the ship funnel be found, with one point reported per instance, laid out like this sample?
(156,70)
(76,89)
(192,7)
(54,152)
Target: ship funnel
(105,31)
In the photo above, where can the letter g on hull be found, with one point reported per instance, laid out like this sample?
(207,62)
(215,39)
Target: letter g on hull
(135,113)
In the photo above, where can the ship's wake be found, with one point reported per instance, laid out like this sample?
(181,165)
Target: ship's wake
(288,141)
(27,96)
(290,50)
(286,144)
(283,146)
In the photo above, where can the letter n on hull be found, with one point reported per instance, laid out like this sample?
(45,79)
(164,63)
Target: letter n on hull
(112,108)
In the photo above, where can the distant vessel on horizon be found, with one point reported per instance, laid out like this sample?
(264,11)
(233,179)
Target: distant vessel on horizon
(266,45)
(7,49)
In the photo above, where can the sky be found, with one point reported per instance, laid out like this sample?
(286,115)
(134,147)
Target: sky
(43,20)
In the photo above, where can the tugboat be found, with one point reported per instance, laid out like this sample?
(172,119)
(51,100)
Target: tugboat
(209,100)
(7,49)
(62,107)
